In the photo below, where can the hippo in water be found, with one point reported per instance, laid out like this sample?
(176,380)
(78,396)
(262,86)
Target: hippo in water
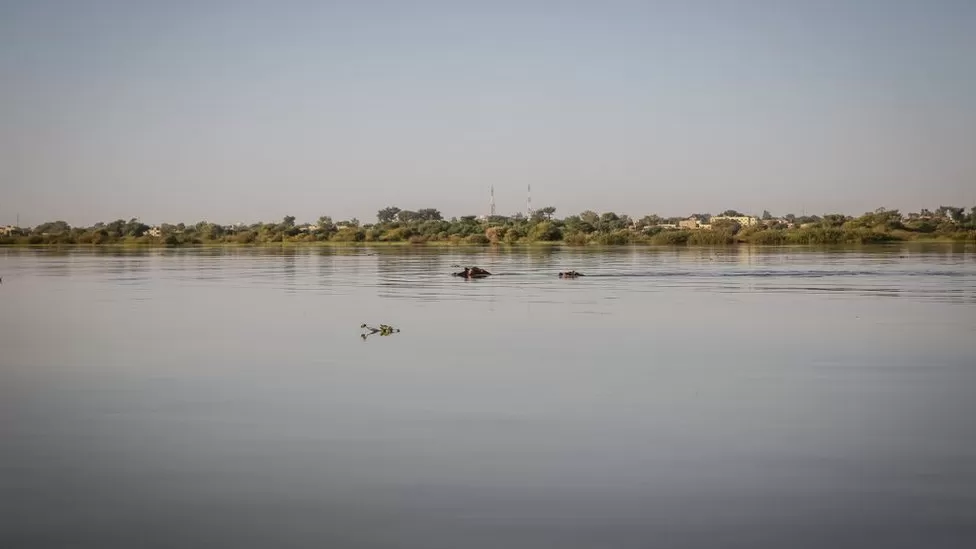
(472,272)
(570,274)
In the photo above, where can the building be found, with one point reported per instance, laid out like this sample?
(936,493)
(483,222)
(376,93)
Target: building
(154,232)
(742,220)
(694,223)
(9,230)
(778,223)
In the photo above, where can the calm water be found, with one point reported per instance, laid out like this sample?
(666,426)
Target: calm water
(674,398)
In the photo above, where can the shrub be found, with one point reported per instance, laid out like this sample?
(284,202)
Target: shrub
(816,235)
(770,237)
(616,238)
(495,234)
(671,238)
(350,234)
(710,238)
(545,232)
(246,237)
(576,239)
(513,235)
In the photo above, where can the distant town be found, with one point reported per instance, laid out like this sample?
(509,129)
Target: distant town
(428,226)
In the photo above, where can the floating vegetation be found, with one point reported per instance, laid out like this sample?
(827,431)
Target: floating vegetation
(383,330)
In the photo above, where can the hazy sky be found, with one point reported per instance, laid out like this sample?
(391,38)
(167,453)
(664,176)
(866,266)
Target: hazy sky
(240,111)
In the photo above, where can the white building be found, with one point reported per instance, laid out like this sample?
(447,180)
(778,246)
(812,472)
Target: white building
(743,220)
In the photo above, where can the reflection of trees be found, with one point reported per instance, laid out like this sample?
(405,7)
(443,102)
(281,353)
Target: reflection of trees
(55,265)
(289,258)
(325,265)
(391,266)
(747,255)
(103,251)
(126,266)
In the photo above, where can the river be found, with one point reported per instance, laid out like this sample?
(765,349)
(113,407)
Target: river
(677,398)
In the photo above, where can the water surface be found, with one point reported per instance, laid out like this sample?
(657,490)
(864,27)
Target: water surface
(773,397)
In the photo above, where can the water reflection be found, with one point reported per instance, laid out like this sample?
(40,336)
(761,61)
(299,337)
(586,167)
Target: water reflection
(289,257)
(924,271)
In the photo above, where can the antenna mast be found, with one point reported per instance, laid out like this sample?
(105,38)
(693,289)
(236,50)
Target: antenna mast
(528,202)
(491,204)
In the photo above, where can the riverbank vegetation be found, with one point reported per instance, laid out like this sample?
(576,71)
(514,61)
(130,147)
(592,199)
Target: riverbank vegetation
(427,226)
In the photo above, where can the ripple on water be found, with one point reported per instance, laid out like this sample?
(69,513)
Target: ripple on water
(527,274)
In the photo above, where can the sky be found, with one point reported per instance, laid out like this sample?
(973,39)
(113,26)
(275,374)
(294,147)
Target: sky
(244,111)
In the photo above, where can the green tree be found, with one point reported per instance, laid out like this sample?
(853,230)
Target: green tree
(115,229)
(388,214)
(208,231)
(610,222)
(407,216)
(951,213)
(766,215)
(514,234)
(651,220)
(880,219)
(429,214)
(590,217)
(545,232)
(572,223)
(726,226)
(134,228)
(350,234)
(834,220)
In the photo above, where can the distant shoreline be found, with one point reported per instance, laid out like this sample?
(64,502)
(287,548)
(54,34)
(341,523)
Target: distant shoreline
(471,245)
(426,227)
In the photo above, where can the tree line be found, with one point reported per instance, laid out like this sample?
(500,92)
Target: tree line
(427,225)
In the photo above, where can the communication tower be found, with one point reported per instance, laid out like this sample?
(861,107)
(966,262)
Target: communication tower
(528,202)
